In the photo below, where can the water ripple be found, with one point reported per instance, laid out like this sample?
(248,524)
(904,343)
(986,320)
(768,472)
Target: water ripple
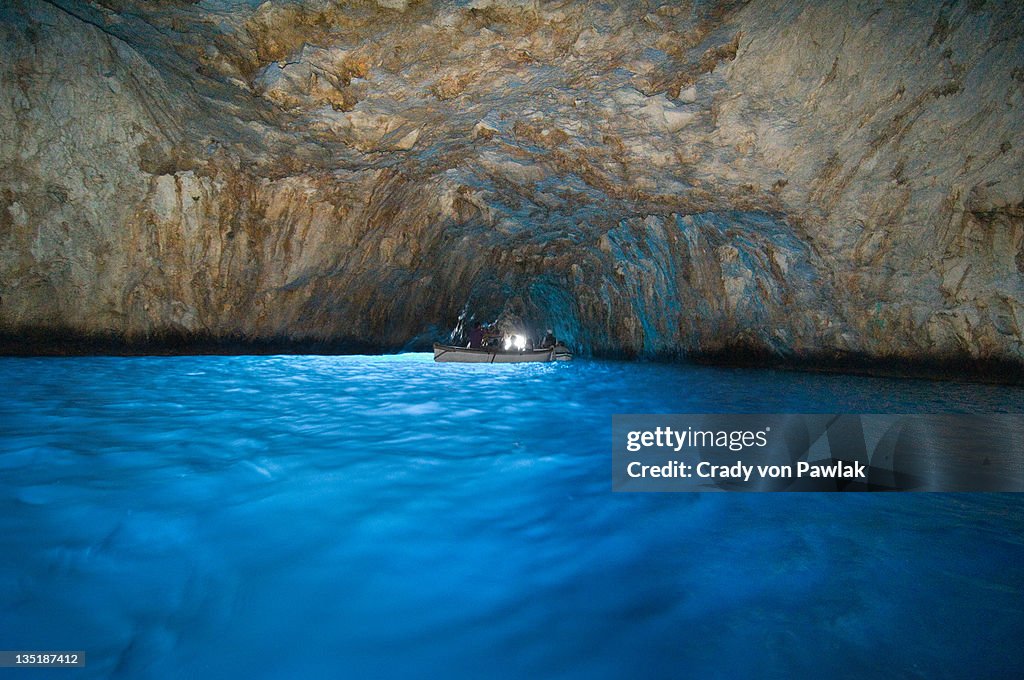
(293,516)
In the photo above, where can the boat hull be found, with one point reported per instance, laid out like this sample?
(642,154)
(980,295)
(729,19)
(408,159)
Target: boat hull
(490,356)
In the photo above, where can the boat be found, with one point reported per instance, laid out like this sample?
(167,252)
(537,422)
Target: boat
(500,356)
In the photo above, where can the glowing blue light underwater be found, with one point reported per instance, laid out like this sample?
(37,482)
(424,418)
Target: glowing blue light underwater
(308,516)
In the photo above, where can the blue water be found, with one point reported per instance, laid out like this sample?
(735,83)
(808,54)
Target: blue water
(325,517)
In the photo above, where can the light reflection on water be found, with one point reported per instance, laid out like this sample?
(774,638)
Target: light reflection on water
(352,516)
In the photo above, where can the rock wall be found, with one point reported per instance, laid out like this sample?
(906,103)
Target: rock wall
(791,178)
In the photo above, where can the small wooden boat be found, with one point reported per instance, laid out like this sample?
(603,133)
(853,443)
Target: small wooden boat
(500,356)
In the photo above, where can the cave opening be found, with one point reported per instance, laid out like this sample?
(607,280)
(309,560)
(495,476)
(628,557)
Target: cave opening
(246,245)
(682,181)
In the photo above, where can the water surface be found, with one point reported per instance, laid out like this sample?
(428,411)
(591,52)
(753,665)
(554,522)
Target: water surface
(324,517)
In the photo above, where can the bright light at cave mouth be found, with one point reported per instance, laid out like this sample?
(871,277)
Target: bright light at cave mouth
(517,341)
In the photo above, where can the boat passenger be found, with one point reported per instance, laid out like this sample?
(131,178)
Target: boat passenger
(492,339)
(549,340)
(476,337)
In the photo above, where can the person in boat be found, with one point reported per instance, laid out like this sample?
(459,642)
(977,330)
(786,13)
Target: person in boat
(476,337)
(549,340)
(492,338)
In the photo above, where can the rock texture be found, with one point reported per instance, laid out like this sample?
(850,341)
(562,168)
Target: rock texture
(797,178)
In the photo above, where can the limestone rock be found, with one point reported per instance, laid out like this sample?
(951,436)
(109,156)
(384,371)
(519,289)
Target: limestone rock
(793,177)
